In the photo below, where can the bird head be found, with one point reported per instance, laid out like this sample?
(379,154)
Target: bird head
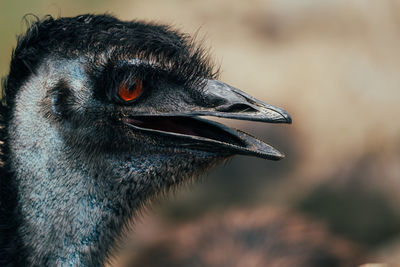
(123,95)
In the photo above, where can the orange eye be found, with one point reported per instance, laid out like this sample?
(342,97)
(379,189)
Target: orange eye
(130,92)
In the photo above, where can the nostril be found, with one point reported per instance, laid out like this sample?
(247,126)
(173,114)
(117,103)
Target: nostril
(236,108)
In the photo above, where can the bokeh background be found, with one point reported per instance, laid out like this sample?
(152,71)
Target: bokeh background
(335,66)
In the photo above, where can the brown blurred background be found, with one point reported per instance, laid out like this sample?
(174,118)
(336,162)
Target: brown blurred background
(333,64)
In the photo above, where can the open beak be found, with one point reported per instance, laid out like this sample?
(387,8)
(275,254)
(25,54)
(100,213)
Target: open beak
(219,100)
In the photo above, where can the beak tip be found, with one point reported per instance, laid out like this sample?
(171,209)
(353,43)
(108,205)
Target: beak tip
(288,118)
(280,156)
(274,157)
(283,117)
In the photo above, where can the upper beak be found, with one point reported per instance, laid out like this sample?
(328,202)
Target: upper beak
(223,100)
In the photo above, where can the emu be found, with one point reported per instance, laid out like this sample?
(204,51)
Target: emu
(99,116)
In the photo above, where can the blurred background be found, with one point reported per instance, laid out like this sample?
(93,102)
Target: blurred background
(334,65)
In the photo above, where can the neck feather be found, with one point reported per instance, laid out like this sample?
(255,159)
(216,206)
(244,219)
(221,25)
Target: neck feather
(11,251)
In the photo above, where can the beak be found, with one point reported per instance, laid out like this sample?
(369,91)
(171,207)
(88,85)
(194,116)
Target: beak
(219,100)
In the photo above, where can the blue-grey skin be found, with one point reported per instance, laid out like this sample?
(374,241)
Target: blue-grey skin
(77,187)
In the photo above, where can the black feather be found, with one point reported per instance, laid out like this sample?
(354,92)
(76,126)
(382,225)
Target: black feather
(172,51)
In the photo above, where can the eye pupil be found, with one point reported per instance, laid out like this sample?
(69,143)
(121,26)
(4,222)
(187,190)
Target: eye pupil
(129,92)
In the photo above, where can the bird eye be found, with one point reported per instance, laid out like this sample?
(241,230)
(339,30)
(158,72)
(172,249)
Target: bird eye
(129,92)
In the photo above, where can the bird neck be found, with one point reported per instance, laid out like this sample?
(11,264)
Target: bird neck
(11,251)
(69,216)
(70,206)
(73,205)
(64,206)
